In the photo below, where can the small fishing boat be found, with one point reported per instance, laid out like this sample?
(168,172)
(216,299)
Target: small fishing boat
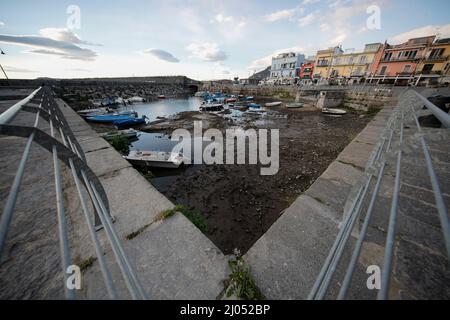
(161,96)
(108,118)
(121,124)
(230,100)
(158,159)
(249,98)
(334,111)
(294,105)
(128,133)
(254,105)
(208,107)
(273,104)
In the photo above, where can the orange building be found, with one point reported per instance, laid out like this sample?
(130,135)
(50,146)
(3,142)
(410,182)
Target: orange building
(399,62)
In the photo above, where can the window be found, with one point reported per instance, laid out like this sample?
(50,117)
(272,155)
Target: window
(407,68)
(362,59)
(383,70)
(387,56)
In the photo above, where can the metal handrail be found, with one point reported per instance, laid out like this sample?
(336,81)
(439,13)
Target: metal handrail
(71,154)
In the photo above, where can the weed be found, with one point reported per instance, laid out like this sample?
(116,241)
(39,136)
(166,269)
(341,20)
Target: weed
(121,143)
(85,264)
(242,283)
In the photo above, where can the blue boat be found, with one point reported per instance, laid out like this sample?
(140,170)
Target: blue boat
(253,105)
(106,118)
(249,98)
(122,124)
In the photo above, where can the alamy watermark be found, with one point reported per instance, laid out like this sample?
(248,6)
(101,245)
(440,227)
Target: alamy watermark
(235,147)
(74,20)
(373,22)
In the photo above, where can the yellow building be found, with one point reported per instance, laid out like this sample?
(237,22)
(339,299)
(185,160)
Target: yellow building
(436,61)
(323,62)
(354,65)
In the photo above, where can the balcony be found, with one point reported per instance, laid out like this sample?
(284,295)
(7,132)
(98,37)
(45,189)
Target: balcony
(430,72)
(437,58)
(397,59)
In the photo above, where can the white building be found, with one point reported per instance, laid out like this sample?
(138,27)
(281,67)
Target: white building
(285,64)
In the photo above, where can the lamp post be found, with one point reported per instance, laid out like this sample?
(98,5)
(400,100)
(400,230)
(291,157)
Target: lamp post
(1,52)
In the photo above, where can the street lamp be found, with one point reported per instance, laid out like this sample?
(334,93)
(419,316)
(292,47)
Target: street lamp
(1,52)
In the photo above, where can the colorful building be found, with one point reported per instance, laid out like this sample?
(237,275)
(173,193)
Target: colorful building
(284,66)
(324,59)
(436,63)
(306,71)
(352,67)
(400,62)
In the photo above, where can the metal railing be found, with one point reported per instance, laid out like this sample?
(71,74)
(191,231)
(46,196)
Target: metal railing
(412,103)
(67,150)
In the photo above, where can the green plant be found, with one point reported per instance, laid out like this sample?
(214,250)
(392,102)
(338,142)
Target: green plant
(147,174)
(194,216)
(372,111)
(242,283)
(121,143)
(85,264)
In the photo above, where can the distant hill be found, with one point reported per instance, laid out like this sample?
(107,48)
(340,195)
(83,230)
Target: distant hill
(262,74)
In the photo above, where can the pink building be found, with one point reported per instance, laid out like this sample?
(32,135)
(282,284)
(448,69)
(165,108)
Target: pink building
(399,62)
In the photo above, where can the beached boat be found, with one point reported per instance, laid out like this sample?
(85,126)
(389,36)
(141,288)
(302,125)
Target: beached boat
(158,159)
(249,98)
(230,100)
(294,105)
(273,104)
(126,123)
(161,96)
(333,111)
(254,105)
(128,133)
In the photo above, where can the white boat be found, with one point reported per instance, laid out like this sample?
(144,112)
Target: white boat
(294,105)
(333,111)
(157,159)
(273,104)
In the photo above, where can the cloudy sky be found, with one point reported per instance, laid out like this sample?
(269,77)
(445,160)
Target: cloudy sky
(202,39)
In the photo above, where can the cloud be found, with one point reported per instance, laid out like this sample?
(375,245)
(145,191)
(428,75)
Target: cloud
(45,45)
(443,31)
(307,20)
(18,70)
(307,2)
(266,61)
(207,51)
(162,55)
(2,23)
(220,18)
(282,14)
(64,34)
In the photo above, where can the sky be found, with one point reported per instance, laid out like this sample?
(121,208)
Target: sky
(202,39)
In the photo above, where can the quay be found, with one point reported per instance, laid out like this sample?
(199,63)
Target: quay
(397,162)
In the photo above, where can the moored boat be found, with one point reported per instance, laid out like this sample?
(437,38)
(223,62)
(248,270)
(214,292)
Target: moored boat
(125,123)
(273,104)
(161,96)
(108,118)
(128,133)
(211,107)
(294,105)
(334,111)
(158,159)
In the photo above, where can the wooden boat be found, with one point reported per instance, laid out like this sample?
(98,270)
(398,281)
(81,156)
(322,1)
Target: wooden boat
(157,159)
(126,123)
(334,111)
(273,104)
(128,133)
